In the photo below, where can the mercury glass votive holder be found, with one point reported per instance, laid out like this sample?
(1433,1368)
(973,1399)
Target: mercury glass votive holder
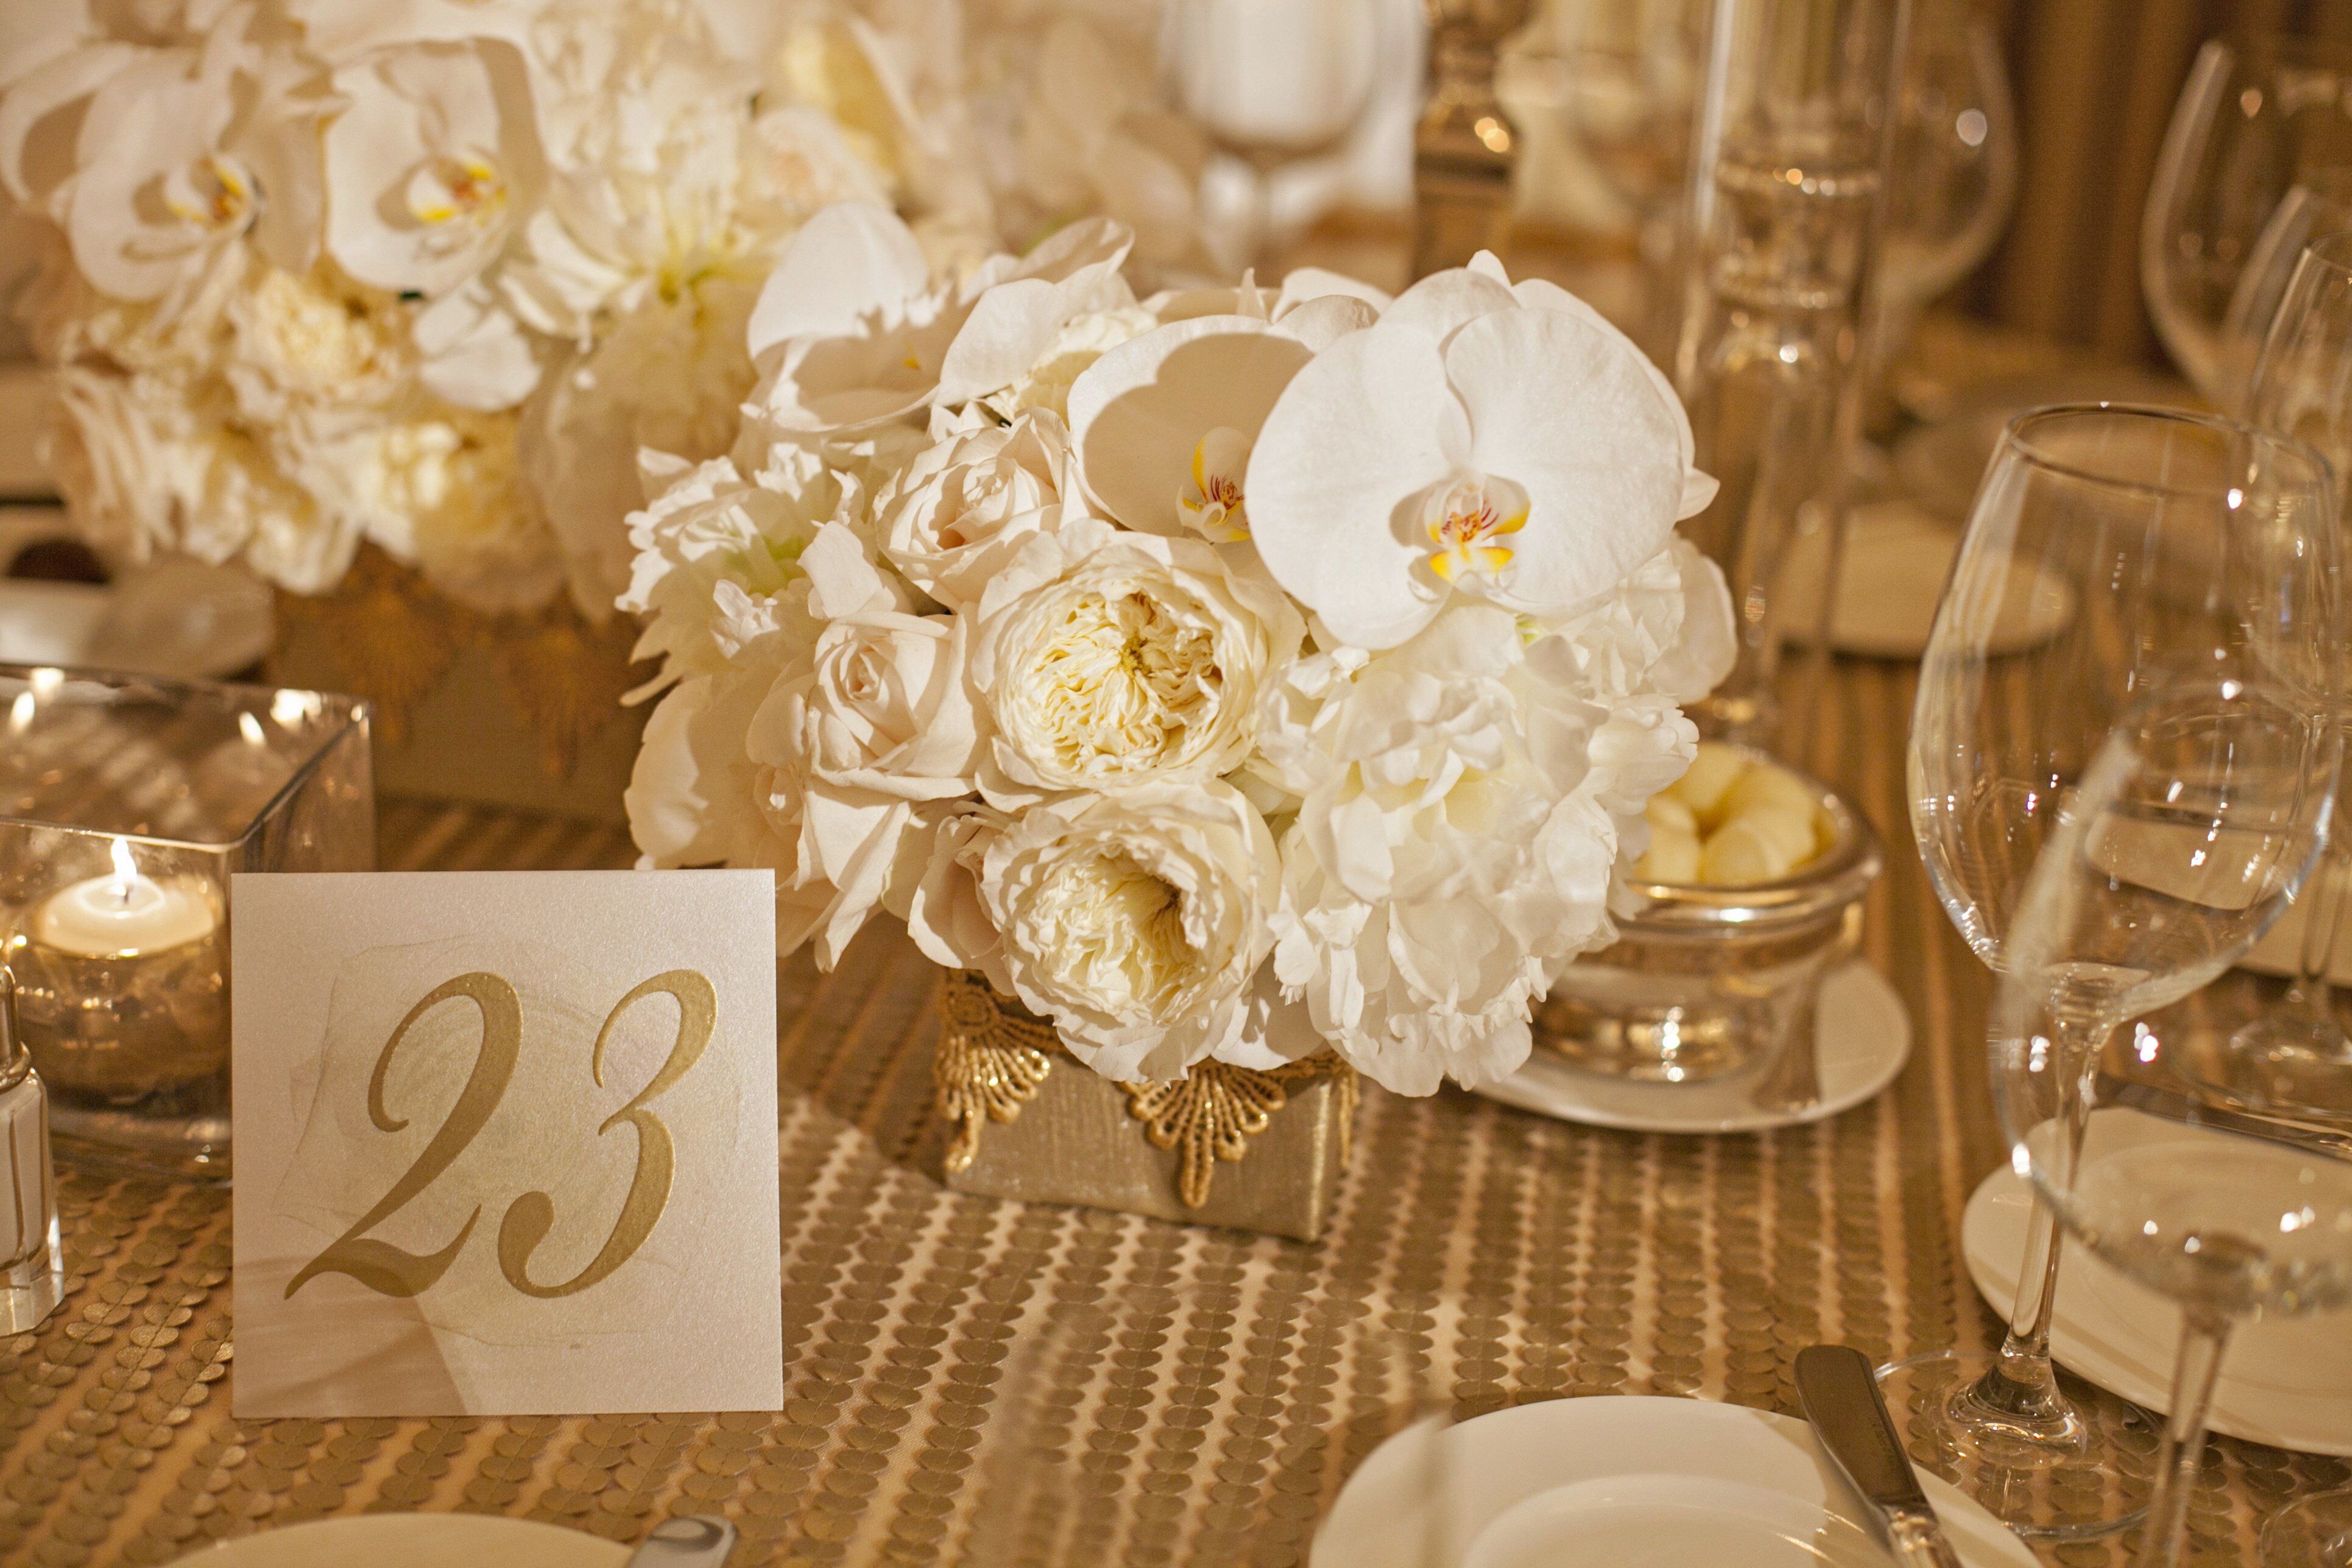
(126,803)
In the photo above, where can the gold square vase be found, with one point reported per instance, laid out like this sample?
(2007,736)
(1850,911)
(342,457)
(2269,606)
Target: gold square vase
(516,709)
(1258,1151)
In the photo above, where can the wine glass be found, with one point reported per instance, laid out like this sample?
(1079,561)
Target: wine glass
(2302,387)
(1955,164)
(2183,841)
(1276,83)
(2110,550)
(2254,119)
(2313,210)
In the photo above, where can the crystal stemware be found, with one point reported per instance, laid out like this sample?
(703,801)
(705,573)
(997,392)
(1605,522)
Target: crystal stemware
(2302,387)
(2109,549)
(2256,118)
(2184,841)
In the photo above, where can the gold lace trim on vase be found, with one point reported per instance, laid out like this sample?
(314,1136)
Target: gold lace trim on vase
(993,1059)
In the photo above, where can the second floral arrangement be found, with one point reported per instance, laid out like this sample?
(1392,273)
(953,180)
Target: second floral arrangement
(1224,673)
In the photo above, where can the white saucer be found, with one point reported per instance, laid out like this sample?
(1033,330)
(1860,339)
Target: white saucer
(173,618)
(1862,1035)
(2287,1383)
(1897,558)
(414,1540)
(1610,1482)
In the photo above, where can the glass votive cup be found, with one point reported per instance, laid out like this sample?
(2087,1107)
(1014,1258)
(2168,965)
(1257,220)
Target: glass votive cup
(126,803)
(1706,982)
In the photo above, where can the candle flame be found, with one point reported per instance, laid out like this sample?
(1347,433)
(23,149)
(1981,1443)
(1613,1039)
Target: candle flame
(126,869)
(250,728)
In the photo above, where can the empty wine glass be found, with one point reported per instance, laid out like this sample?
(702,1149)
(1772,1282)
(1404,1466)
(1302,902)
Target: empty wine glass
(1276,83)
(2311,212)
(2302,387)
(2254,119)
(2110,551)
(1955,164)
(2184,841)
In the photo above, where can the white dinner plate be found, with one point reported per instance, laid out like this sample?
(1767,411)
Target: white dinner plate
(414,1540)
(2284,1382)
(1621,1482)
(171,618)
(1861,1032)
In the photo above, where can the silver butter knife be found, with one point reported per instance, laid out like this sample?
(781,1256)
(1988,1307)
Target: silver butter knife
(1839,1394)
(689,1541)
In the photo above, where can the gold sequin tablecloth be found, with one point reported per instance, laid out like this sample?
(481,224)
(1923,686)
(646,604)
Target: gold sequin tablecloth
(1203,1422)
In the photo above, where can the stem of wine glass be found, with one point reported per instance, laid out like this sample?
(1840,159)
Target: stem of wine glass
(2204,1334)
(2020,1390)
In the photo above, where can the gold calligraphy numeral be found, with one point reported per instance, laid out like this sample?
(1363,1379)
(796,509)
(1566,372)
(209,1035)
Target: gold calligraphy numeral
(379,1265)
(530,1217)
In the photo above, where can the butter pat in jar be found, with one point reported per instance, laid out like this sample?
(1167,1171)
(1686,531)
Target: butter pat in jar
(1733,821)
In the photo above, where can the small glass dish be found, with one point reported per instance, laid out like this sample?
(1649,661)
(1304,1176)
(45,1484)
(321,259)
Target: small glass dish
(1706,982)
(126,803)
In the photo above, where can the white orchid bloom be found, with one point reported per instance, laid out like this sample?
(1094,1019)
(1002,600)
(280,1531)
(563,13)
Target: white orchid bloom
(435,163)
(1164,423)
(1480,441)
(175,154)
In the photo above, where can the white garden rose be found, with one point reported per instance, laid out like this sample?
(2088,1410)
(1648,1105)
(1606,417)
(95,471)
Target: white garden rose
(1135,923)
(1111,660)
(882,708)
(308,339)
(954,517)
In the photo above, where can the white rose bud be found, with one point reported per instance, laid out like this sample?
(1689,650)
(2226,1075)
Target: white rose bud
(954,516)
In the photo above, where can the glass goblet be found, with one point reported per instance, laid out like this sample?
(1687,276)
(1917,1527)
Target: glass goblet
(2109,550)
(2185,839)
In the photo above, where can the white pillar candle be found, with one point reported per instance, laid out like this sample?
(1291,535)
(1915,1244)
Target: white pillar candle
(125,914)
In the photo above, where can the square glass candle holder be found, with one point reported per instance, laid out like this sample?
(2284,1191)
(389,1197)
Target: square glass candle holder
(126,803)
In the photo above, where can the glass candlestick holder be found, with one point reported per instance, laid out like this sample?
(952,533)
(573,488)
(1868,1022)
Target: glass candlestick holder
(32,1261)
(126,803)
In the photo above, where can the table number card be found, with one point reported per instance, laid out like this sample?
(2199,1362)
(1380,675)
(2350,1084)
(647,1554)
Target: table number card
(506,1143)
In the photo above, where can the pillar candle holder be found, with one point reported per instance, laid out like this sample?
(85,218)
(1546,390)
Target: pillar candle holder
(126,804)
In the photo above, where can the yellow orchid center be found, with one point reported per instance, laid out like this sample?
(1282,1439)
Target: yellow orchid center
(212,192)
(448,187)
(1212,502)
(1463,516)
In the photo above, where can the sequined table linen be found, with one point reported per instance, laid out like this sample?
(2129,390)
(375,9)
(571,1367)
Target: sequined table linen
(1209,1410)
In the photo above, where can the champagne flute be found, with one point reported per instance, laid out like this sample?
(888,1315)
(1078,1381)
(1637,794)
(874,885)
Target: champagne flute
(2253,120)
(2109,550)
(2302,387)
(2184,841)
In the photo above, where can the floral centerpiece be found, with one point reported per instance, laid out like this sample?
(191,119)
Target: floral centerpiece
(373,297)
(1226,675)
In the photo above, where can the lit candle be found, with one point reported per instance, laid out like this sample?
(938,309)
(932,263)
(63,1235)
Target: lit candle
(124,915)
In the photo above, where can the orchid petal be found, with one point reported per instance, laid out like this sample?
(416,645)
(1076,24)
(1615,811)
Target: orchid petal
(1138,412)
(1698,488)
(1443,303)
(1568,413)
(1363,426)
(847,265)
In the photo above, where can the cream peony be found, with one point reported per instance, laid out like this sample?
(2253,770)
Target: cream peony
(1135,923)
(1457,839)
(954,518)
(1478,442)
(1111,660)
